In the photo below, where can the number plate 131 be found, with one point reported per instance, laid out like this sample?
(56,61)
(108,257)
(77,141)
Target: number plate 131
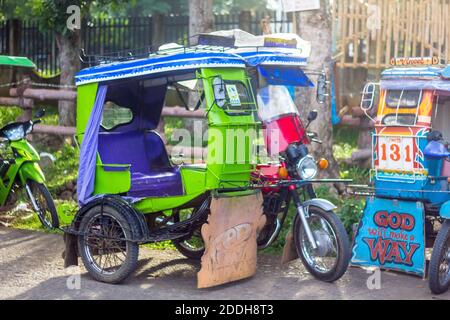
(396,153)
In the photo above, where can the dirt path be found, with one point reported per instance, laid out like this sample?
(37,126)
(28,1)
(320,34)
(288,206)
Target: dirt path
(31,268)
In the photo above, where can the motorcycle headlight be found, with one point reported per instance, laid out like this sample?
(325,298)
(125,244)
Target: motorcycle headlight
(15,133)
(307,168)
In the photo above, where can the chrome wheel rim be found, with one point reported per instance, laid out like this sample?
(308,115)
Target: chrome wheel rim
(325,257)
(44,212)
(195,242)
(444,266)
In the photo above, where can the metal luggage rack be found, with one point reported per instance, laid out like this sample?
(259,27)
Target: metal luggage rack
(150,51)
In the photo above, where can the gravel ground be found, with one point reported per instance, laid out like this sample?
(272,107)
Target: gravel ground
(31,267)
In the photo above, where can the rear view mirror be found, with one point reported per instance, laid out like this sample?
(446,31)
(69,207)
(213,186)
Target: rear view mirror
(39,114)
(322,89)
(368,96)
(220,96)
(312,115)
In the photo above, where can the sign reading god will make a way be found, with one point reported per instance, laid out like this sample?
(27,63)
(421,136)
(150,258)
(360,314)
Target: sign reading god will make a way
(300,5)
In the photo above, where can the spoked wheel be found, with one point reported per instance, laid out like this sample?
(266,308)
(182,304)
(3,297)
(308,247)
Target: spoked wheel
(43,204)
(194,247)
(104,249)
(329,261)
(439,274)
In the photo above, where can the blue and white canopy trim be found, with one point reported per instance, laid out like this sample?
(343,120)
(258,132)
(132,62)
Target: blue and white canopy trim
(424,78)
(158,66)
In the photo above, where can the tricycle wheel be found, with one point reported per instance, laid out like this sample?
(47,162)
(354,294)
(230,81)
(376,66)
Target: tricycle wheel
(331,258)
(439,274)
(194,247)
(105,246)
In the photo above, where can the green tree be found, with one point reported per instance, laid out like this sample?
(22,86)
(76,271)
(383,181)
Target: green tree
(52,16)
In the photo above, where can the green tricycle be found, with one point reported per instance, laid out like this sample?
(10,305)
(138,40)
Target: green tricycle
(129,190)
(22,169)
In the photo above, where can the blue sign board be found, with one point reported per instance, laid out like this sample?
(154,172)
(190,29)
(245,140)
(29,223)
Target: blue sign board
(391,235)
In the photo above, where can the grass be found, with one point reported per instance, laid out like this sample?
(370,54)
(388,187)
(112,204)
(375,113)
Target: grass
(28,220)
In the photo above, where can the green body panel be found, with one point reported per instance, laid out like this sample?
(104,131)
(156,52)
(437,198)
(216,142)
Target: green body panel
(85,103)
(16,62)
(112,182)
(151,205)
(230,138)
(194,179)
(221,170)
(31,171)
(25,168)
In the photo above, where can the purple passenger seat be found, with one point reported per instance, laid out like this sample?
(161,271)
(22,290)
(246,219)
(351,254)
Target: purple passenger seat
(152,174)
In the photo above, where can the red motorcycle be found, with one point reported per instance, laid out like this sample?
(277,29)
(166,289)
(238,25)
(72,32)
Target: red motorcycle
(319,236)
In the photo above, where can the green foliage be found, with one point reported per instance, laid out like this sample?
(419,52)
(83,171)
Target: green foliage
(65,168)
(357,174)
(350,212)
(9,114)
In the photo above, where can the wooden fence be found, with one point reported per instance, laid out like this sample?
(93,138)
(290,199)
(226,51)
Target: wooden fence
(371,32)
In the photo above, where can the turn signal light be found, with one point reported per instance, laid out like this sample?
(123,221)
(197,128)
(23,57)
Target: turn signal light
(323,164)
(283,173)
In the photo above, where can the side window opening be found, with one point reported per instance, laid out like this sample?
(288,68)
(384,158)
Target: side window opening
(115,115)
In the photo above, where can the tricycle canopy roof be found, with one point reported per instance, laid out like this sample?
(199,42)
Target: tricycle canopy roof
(222,49)
(16,62)
(156,66)
(424,78)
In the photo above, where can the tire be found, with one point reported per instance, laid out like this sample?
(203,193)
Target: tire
(341,242)
(185,248)
(48,214)
(124,228)
(441,250)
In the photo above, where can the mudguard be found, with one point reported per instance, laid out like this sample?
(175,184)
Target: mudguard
(321,203)
(31,171)
(391,235)
(70,254)
(444,212)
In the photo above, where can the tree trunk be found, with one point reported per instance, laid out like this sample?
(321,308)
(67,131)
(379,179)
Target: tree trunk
(315,26)
(201,18)
(69,62)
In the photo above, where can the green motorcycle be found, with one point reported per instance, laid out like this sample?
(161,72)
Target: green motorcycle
(23,171)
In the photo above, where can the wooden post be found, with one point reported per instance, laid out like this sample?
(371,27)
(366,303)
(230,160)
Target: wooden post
(27,113)
(13,44)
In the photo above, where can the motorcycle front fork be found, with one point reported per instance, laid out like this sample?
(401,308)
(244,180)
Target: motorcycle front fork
(32,199)
(303,215)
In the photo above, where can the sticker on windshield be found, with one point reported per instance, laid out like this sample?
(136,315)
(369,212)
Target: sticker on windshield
(233,95)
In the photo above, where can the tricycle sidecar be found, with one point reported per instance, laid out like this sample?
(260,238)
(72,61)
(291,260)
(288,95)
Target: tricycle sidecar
(410,195)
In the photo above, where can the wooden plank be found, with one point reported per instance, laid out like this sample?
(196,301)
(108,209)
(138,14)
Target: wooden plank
(56,130)
(230,240)
(46,94)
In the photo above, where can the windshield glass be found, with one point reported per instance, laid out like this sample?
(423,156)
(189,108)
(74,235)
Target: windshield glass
(403,98)
(274,102)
